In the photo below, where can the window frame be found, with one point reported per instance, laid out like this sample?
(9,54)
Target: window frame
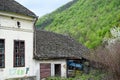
(3,54)
(19,54)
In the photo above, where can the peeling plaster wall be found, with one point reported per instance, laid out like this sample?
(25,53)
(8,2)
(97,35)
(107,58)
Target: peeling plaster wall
(52,62)
(10,32)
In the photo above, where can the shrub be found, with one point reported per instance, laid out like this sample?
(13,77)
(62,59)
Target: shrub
(107,58)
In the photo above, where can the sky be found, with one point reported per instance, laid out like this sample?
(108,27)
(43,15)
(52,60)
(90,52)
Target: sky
(42,7)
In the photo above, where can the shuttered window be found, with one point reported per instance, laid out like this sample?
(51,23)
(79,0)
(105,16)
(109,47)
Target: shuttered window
(2,53)
(19,53)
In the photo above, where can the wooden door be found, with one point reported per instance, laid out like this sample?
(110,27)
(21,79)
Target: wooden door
(45,70)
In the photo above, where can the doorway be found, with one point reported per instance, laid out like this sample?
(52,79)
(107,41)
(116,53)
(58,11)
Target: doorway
(58,70)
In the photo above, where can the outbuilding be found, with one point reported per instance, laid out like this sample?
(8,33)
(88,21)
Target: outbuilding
(56,54)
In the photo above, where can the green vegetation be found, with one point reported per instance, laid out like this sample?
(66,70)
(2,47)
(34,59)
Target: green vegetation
(88,21)
(94,75)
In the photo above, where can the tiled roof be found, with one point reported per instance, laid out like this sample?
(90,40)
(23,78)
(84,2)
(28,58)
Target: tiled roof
(50,45)
(15,7)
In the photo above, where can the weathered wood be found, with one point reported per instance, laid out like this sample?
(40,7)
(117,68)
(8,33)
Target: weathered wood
(45,70)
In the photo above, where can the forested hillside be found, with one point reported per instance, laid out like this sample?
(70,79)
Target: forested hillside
(88,21)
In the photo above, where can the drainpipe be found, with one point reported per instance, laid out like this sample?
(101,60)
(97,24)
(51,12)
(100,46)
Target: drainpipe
(34,37)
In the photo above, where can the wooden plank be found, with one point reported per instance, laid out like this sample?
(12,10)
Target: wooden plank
(45,70)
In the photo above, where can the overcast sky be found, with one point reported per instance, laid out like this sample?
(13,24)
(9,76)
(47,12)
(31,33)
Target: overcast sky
(42,7)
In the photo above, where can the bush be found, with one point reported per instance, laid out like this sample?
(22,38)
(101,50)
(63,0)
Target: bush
(94,75)
(107,58)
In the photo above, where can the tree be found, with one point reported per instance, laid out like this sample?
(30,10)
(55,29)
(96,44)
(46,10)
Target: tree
(107,58)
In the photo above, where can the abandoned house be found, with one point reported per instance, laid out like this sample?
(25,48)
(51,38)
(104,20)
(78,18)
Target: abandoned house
(54,52)
(33,54)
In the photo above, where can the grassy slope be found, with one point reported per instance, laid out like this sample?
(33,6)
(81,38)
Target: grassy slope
(88,21)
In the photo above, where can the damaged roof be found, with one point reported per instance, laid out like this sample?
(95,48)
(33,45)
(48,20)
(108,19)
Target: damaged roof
(15,7)
(51,45)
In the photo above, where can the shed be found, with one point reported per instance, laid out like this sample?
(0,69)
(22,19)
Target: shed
(54,50)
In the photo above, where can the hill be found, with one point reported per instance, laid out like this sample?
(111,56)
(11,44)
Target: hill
(88,21)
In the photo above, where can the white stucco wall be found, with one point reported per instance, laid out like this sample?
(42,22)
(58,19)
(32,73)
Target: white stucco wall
(52,62)
(10,32)
(10,20)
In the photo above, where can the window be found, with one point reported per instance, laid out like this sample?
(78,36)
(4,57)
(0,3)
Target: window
(19,53)
(18,24)
(2,53)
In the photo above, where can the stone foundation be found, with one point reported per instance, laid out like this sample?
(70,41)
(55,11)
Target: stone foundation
(23,78)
